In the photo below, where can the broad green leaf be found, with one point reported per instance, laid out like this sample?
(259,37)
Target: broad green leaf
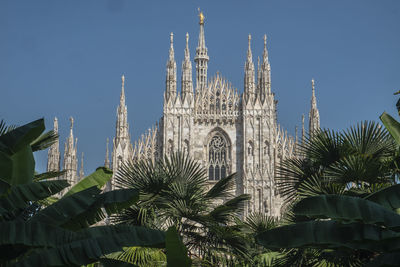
(33,234)
(388,197)
(20,196)
(99,178)
(112,202)
(176,250)
(92,243)
(116,200)
(44,141)
(392,126)
(347,209)
(330,234)
(65,209)
(6,167)
(48,175)
(23,166)
(21,137)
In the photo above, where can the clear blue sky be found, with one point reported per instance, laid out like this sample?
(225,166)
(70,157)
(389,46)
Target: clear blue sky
(65,58)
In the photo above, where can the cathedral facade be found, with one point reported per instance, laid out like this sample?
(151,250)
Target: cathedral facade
(224,130)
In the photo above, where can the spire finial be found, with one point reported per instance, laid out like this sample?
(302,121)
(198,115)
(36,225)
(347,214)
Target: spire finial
(187,40)
(313,85)
(171,49)
(72,122)
(123,80)
(265,41)
(201,17)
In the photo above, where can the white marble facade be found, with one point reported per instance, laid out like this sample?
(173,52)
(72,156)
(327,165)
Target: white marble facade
(223,129)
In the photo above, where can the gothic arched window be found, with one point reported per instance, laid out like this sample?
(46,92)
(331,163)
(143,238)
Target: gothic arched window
(217,157)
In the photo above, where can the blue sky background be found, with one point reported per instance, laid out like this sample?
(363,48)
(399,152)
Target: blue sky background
(65,58)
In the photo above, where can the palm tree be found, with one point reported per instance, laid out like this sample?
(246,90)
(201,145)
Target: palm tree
(354,162)
(173,191)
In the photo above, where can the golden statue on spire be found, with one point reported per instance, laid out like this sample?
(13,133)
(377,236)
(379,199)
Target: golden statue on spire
(201,17)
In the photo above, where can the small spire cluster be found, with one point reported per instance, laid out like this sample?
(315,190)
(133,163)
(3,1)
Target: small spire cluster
(70,160)
(262,89)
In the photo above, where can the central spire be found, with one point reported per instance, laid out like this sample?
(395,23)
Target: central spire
(201,57)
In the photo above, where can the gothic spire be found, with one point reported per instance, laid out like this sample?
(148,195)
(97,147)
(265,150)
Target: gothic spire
(53,156)
(122,114)
(107,160)
(171,71)
(265,79)
(249,78)
(121,143)
(81,172)
(70,164)
(122,97)
(187,85)
(314,113)
(201,57)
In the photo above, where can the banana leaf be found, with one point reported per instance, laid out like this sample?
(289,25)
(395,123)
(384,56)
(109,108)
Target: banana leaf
(347,209)
(176,250)
(392,126)
(106,203)
(44,141)
(20,196)
(92,243)
(330,234)
(21,137)
(67,208)
(388,197)
(98,178)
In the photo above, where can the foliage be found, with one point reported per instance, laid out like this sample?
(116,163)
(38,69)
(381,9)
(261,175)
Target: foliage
(58,234)
(173,192)
(360,158)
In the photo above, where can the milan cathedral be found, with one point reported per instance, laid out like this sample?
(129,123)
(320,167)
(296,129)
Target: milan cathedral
(224,130)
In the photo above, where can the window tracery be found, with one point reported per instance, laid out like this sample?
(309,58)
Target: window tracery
(217,157)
